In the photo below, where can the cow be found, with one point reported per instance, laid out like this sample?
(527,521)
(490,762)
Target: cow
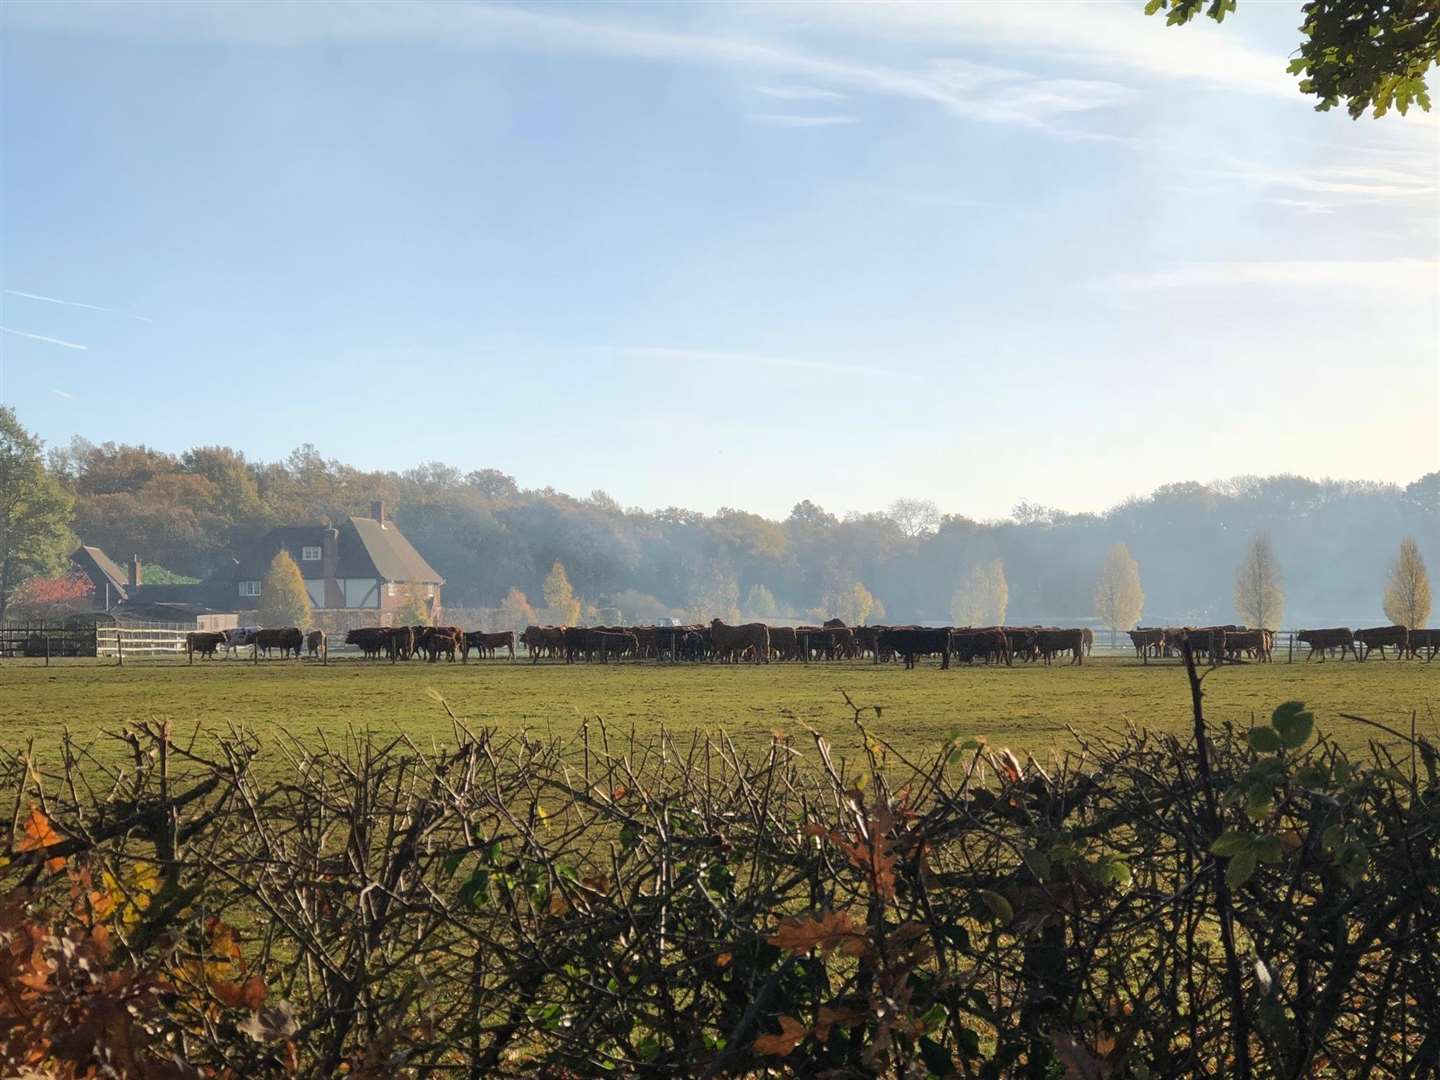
(488,643)
(1377,637)
(1424,639)
(784,645)
(543,640)
(1088,638)
(1053,641)
(1147,640)
(315,643)
(991,644)
(238,637)
(912,642)
(1321,641)
(733,642)
(204,643)
(442,639)
(287,639)
(1255,644)
(371,640)
(608,642)
(866,638)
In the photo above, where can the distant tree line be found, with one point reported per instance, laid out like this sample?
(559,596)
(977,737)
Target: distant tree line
(497,544)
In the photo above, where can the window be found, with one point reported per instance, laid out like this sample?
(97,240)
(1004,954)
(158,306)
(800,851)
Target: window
(429,590)
(390,588)
(249,588)
(310,554)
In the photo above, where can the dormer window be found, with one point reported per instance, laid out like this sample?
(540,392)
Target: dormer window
(310,554)
(249,588)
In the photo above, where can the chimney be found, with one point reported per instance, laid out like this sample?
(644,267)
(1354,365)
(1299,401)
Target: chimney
(137,577)
(377,511)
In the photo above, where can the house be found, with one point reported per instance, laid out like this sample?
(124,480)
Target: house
(365,565)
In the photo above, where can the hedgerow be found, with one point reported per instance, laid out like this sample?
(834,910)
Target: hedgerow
(1239,903)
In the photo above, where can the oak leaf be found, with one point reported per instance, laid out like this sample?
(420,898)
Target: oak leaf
(792,1033)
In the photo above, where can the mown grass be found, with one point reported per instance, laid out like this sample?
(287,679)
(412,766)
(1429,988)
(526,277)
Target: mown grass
(1027,707)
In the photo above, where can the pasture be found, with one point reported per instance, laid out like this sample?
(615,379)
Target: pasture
(1027,707)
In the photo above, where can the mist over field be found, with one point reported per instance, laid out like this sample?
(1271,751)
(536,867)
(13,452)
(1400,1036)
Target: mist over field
(1334,540)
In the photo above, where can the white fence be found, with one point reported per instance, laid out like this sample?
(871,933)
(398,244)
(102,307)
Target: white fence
(122,641)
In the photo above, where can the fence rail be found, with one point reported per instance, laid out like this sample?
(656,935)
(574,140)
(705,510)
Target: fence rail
(119,642)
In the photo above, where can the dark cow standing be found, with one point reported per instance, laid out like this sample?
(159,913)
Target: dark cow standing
(912,642)
(1428,640)
(488,643)
(371,640)
(733,642)
(1321,641)
(315,643)
(287,639)
(1377,637)
(1054,642)
(203,643)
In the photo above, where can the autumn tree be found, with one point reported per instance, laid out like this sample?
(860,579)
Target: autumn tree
(1407,593)
(1118,596)
(283,599)
(413,610)
(760,603)
(984,596)
(46,597)
(560,599)
(853,603)
(1259,588)
(516,612)
(34,510)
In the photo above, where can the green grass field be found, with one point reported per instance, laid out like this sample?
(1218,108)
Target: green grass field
(1026,707)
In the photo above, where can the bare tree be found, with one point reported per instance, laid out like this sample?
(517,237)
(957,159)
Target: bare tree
(1407,593)
(1118,596)
(1259,588)
(915,517)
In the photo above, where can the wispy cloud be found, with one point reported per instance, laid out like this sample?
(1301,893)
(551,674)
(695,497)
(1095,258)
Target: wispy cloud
(1308,206)
(1389,275)
(42,337)
(792,120)
(1011,98)
(800,93)
(1369,183)
(62,394)
(730,360)
(75,304)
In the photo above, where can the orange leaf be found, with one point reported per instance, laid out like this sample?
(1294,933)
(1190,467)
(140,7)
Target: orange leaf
(828,1018)
(39,833)
(792,1032)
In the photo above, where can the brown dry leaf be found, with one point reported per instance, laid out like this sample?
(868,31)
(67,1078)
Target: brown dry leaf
(792,1033)
(723,960)
(827,1018)
(599,884)
(827,930)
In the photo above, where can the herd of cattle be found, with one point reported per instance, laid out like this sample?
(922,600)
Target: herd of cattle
(761,644)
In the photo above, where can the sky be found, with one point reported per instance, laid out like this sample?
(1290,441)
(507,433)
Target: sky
(724,254)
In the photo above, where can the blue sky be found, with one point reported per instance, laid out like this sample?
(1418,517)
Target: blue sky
(721,254)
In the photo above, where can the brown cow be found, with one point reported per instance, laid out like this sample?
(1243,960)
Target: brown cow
(784,645)
(733,642)
(990,643)
(1377,637)
(370,639)
(1147,640)
(546,640)
(488,643)
(314,643)
(287,639)
(1053,642)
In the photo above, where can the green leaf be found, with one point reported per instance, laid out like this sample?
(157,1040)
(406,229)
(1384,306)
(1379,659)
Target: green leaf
(1259,800)
(1231,842)
(934,1017)
(1264,740)
(1038,864)
(452,862)
(1293,723)
(998,905)
(1269,849)
(1240,870)
(937,1059)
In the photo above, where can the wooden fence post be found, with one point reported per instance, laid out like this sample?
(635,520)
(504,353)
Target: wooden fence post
(1291,659)
(47,650)
(119,648)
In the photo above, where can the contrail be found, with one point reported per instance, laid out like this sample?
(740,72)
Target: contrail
(75,303)
(47,340)
(62,393)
